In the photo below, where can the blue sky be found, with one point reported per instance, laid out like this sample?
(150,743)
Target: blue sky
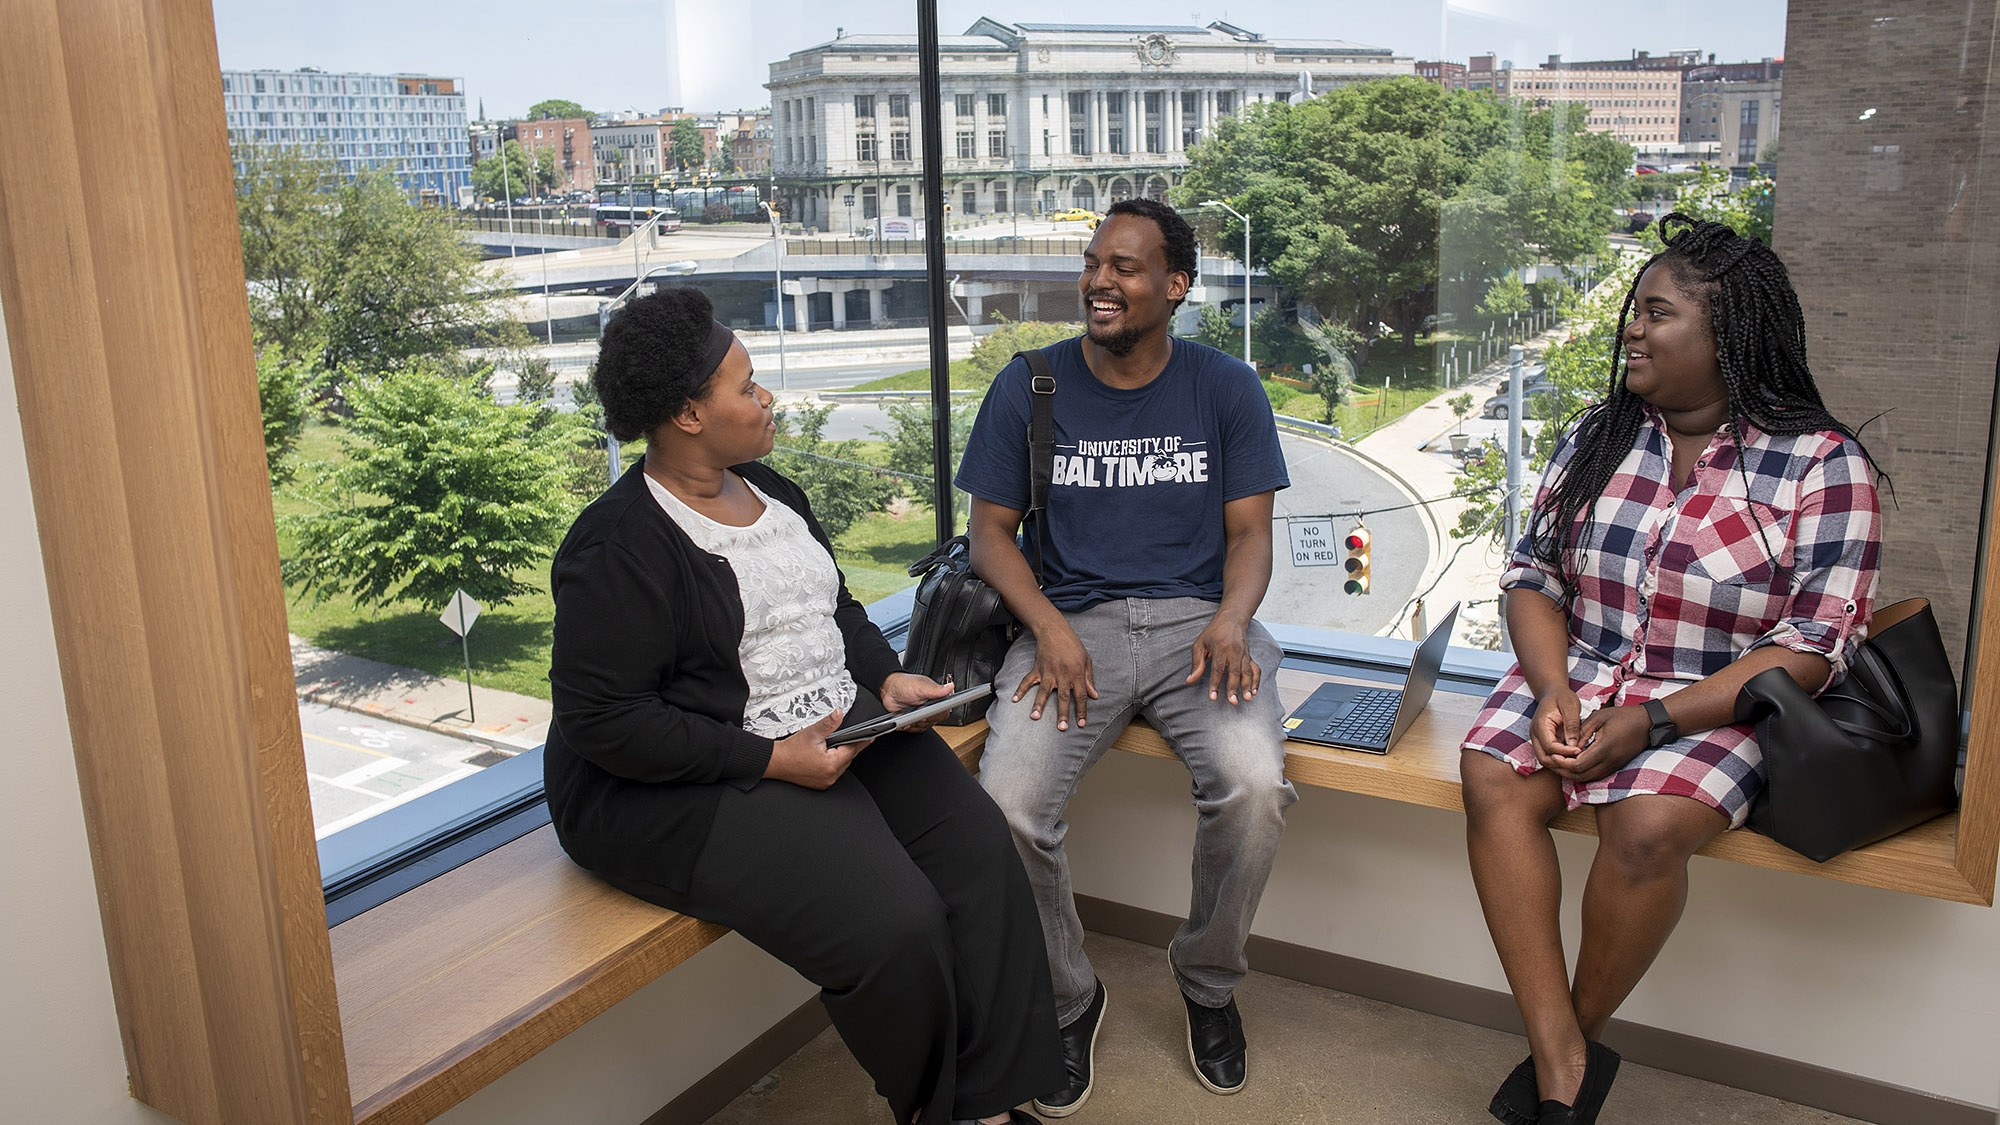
(645,54)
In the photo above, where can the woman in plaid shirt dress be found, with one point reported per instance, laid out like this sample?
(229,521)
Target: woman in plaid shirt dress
(1707,521)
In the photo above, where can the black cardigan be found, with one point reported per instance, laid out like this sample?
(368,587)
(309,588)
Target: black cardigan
(648,690)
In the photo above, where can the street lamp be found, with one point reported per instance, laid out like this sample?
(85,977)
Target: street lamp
(1241,218)
(778,270)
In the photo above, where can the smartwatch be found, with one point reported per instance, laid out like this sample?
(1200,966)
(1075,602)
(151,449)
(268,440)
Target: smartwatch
(1663,730)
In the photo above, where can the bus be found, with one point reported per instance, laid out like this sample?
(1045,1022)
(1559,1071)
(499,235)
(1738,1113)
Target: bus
(616,213)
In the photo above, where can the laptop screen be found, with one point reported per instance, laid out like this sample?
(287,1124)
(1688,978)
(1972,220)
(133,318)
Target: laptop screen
(1424,669)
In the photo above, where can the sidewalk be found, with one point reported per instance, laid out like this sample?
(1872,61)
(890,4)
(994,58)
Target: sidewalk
(418,699)
(1471,569)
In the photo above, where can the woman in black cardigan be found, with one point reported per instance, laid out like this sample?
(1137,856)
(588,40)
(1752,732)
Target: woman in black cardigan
(705,645)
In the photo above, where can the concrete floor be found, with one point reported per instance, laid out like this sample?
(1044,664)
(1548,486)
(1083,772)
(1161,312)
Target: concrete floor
(1315,1056)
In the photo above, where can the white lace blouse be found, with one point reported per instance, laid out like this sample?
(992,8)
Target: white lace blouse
(792,652)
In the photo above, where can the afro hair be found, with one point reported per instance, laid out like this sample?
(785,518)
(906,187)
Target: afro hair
(649,363)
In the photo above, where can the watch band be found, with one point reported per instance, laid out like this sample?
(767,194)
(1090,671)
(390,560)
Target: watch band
(1663,730)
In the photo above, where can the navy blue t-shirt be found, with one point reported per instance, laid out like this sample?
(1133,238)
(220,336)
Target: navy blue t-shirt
(1135,503)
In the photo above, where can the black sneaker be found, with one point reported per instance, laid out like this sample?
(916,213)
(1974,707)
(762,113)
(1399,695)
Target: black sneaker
(1079,1048)
(1215,1045)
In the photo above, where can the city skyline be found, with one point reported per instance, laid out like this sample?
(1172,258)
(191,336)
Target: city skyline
(646,54)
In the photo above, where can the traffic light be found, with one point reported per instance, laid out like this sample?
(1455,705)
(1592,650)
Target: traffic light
(1357,559)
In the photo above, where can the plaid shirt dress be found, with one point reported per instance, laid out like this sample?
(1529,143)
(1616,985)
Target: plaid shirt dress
(1780,550)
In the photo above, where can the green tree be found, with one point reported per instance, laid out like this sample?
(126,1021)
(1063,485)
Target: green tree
(546,174)
(285,199)
(507,173)
(1332,376)
(284,392)
(1355,196)
(1212,327)
(555,108)
(1746,208)
(910,444)
(1505,297)
(996,349)
(440,489)
(351,276)
(840,485)
(401,283)
(684,142)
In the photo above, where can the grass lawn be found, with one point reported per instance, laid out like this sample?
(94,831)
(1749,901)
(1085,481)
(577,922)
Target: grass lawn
(510,644)
(962,379)
(1412,381)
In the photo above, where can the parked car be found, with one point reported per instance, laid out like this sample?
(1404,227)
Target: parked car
(1535,383)
(1074,214)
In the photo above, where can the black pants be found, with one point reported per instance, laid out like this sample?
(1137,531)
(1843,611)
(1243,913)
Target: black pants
(898,892)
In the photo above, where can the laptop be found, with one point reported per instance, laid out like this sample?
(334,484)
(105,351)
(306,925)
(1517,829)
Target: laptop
(1354,717)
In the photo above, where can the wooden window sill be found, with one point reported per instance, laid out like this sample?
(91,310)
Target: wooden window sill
(449,986)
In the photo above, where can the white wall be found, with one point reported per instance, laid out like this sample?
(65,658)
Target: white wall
(1888,986)
(60,1058)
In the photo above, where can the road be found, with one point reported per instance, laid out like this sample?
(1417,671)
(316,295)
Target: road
(358,766)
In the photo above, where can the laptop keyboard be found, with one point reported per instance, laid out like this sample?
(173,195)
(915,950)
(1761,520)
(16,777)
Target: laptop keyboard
(1370,720)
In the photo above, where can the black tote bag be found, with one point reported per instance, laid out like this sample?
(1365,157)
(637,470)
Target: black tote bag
(1872,755)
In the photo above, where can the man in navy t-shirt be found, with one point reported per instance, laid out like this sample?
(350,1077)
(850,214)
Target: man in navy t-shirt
(1158,549)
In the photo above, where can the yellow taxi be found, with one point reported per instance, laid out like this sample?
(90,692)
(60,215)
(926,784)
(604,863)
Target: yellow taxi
(1074,214)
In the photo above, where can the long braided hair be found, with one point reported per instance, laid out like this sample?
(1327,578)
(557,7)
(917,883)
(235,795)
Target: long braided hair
(1760,345)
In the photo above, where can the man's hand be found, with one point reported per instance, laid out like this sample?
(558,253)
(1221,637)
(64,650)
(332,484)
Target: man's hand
(904,690)
(805,760)
(1223,648)
(1609,739)
(1062,669)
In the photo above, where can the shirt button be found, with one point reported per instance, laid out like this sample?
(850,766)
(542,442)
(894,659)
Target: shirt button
(1701,464)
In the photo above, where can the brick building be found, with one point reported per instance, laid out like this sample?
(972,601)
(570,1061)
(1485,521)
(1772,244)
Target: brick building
(1450,75)
(569,139)
(1887,221)
(1640,107)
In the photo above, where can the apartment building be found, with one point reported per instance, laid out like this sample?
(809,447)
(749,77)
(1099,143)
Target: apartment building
(412,125)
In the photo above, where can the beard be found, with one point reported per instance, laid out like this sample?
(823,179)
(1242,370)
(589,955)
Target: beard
(1119,343)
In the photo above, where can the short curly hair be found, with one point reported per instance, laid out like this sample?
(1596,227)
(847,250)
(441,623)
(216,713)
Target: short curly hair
(1178,236)
(649,362)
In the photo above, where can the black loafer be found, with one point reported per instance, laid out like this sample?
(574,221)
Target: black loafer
(1600,1067)
(1215,1045)
(1079,1048)
(1515,1102)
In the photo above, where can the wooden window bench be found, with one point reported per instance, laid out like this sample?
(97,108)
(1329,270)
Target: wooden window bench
(501,957)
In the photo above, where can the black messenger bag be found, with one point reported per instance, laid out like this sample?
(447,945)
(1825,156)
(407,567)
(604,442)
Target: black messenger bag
(959,627)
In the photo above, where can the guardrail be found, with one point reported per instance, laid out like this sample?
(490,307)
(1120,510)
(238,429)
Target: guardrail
(1004,244)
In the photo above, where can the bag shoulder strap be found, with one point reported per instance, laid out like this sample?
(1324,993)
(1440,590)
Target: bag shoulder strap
(1041,445)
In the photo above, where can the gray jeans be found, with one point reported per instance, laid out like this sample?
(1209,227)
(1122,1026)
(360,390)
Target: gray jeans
(1140,651)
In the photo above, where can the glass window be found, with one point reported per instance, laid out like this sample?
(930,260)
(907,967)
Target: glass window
(899,146)
(864,105)
(864,148)
(962,104)
(996,144)
(965,144)
(996,105)
(899,105)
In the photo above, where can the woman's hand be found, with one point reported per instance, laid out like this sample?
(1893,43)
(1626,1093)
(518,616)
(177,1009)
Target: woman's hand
(1062,669)
(904,690)
(1556,728)
(805,760)
(1610,738)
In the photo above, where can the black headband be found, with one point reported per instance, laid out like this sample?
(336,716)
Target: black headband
(719,339)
